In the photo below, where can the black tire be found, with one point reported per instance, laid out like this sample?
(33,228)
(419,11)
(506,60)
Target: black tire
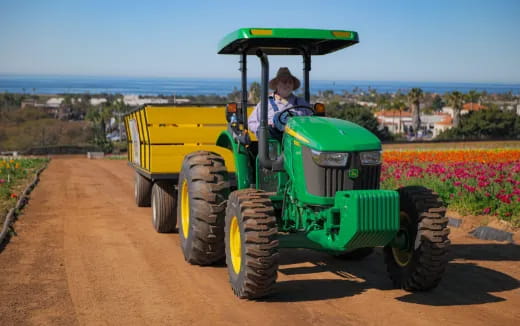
(164,210)
(142,191)
(251,245)
(202,193)
(420,265)
(356,254)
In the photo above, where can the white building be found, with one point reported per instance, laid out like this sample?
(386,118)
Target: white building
(134,100)
(398,122)
(54,102)
(97,101)
(466,108)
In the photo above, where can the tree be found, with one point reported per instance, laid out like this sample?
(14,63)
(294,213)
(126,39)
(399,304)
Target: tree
(486,124)
(472,97)
(455,99)
(437,103)
(359,115)
(414,97)
(99,116)
(254,92)
(399,105)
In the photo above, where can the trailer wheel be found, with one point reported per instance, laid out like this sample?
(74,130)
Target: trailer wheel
(251,245)
(202,193)
(356,254)
(142,191)
(416,259)
(164,211)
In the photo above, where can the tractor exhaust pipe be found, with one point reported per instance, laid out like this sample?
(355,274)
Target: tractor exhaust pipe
(263,156)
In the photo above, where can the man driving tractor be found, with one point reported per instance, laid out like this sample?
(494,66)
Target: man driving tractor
(282,99)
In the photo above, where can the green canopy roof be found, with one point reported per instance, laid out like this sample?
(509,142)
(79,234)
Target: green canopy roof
(286,41)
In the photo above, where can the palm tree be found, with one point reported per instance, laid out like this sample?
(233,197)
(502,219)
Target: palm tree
(399,105)
(456,101)
(473,96)
(414,97)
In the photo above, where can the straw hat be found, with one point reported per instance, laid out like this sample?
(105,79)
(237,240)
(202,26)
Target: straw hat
(283,71)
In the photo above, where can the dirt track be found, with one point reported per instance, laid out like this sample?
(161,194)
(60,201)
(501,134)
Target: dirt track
(85,254)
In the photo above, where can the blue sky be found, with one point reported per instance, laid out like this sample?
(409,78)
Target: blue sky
(457,40)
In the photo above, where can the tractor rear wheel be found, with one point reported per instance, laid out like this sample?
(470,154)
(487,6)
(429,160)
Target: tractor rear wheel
(251,245)
(417,258)
(142,191)
(202,193)
(164,212)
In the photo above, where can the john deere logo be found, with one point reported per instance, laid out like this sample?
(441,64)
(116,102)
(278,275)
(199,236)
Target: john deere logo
(353,173)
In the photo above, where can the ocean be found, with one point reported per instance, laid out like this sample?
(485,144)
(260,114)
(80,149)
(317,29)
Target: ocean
(221,87)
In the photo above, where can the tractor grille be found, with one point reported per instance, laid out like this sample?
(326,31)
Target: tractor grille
(326,181)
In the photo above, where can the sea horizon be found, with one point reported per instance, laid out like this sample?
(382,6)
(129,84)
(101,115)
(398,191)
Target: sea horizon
(47,84)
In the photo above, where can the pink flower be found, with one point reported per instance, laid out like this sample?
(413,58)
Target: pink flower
(2,180)
(486,210)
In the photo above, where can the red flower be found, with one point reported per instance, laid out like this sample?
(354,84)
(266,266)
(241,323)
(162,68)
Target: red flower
(14,196)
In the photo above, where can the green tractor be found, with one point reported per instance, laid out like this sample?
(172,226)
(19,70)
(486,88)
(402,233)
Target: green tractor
(317,187)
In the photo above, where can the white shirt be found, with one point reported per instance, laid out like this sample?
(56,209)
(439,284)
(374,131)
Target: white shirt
(254,119)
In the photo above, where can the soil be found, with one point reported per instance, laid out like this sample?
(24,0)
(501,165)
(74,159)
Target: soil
(85,254)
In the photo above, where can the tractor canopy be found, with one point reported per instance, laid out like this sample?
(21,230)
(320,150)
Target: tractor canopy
(286,41)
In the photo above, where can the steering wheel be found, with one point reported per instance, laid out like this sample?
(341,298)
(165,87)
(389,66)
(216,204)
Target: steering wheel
(280,118)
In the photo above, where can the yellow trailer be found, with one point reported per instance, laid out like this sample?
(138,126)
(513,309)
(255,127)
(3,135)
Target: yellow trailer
(159,137)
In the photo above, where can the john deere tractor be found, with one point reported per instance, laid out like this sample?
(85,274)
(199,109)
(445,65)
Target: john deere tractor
(318,187)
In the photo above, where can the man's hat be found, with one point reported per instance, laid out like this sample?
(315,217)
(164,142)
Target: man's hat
(283,71)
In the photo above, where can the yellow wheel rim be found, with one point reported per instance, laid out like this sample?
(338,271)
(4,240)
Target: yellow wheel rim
(401,256)
(185,209)
(235,246)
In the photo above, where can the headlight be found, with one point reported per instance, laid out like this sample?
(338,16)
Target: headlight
(329,158)
(370,158)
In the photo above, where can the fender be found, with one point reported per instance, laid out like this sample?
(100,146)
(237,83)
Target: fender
(242,162)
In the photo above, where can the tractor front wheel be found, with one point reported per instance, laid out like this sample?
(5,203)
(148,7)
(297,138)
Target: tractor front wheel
(251,245)
(202,192)
(416,259)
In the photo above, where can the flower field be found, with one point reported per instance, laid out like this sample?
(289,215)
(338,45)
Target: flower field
(477,181)
(15,174)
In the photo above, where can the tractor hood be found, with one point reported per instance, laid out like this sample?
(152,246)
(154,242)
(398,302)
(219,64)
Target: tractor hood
(331,135)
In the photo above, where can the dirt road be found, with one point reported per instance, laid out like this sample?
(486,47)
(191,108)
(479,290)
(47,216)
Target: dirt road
(85,254)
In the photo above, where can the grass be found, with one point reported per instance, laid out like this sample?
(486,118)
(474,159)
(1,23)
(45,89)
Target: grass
(15,175)
(116,157)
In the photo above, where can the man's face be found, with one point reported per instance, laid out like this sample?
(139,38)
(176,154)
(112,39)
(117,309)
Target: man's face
(285,86)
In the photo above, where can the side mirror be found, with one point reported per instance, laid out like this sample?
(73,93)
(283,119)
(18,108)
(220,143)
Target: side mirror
(319,108)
